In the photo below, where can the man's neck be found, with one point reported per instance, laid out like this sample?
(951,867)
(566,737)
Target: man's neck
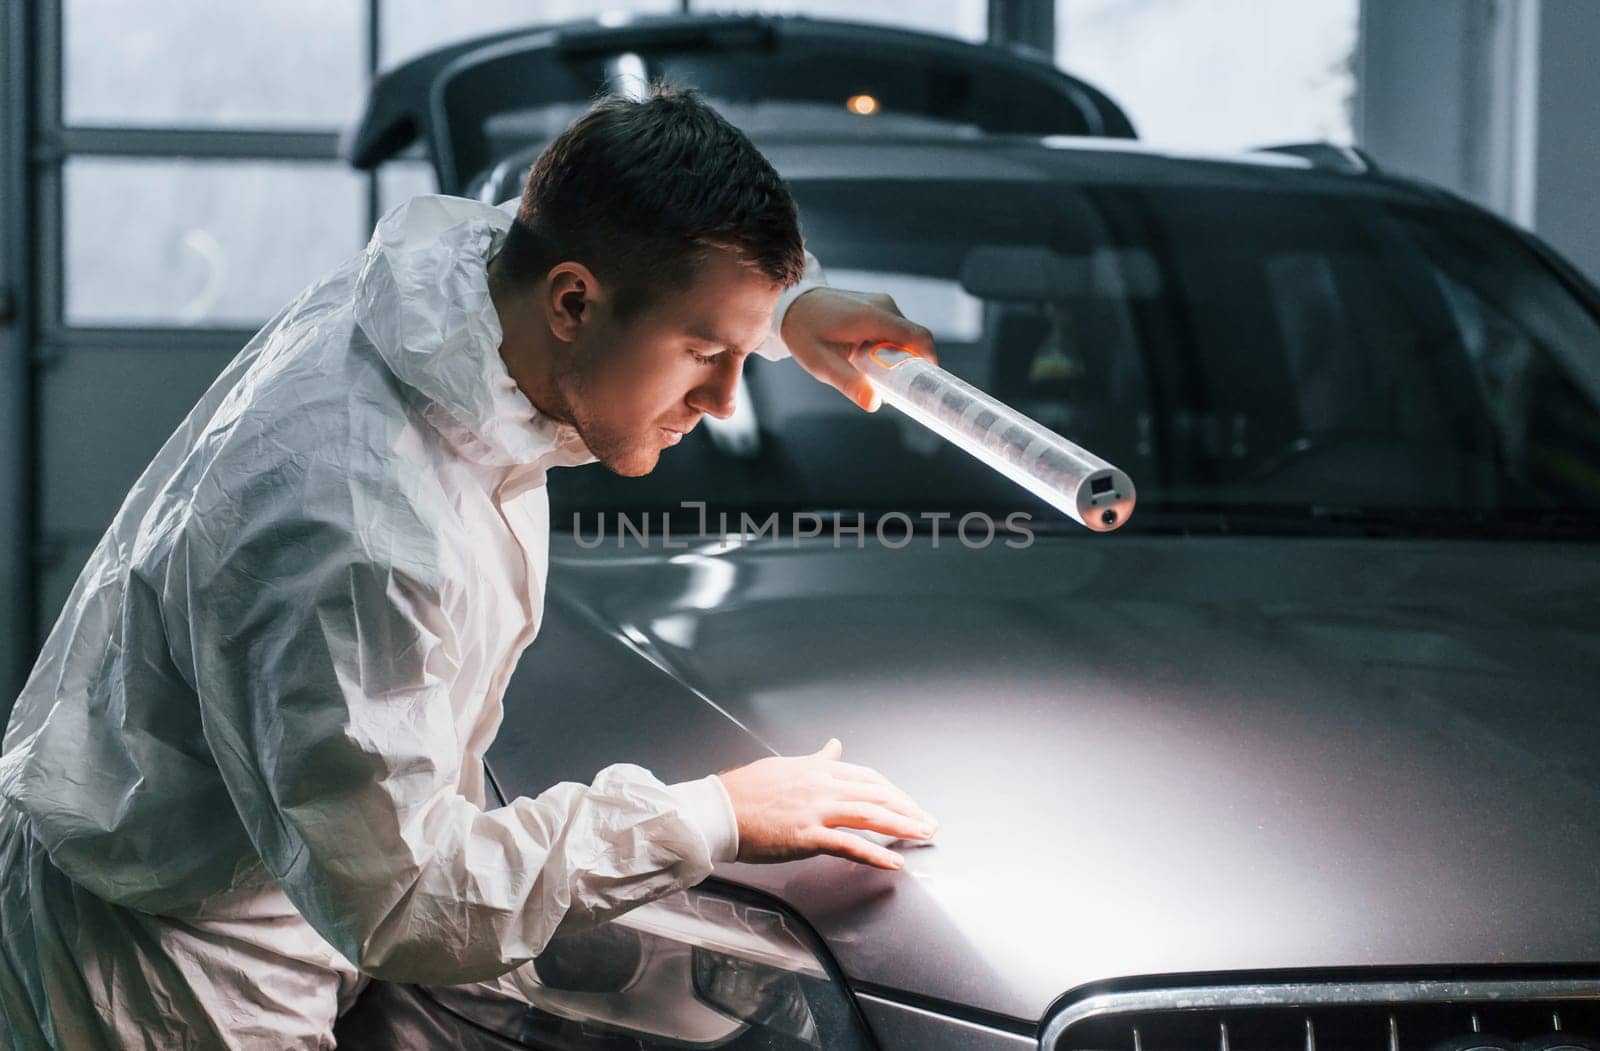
(526,346)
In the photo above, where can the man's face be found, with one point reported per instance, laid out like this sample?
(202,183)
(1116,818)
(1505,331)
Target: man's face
(634,387)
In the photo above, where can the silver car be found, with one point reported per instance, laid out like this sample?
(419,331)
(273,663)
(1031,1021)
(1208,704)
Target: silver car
(1304,756)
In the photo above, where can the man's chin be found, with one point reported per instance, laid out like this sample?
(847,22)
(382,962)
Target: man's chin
(633,464)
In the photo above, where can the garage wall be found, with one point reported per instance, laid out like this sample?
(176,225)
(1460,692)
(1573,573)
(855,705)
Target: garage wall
(1495,100)
(1423,68)
(1566,208)
(103,412)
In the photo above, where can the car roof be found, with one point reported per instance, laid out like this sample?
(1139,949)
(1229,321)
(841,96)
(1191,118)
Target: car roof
(1058,158)
(820,156)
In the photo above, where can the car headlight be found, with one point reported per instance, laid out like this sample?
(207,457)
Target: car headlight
(698,969)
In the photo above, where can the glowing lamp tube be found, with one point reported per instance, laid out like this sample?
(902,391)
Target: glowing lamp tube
(1077,482)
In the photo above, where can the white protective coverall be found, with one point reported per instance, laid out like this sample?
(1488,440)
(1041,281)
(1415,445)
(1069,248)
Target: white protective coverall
(247,769)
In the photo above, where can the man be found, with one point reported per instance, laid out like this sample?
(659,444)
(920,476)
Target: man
(245,777)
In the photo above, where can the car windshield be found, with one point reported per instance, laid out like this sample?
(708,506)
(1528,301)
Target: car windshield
(1251,357)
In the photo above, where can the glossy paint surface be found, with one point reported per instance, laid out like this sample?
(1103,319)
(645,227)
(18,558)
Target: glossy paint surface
(1149,754)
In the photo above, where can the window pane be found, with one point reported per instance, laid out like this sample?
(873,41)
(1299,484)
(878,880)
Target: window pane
(1218,74)
(411,27)
(289,63)
(202,242)
(399,181)
(967,19)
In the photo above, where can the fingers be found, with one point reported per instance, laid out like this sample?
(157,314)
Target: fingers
(853,384)
(854,848)
(869,785)
(887,795)
(869,817)
(797,806)
(908,334)
(826,327)
(857,772)
(883,301)
(883,323)
(836,371)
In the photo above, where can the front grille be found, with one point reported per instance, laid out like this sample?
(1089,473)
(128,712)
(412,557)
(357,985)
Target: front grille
(1356,1016)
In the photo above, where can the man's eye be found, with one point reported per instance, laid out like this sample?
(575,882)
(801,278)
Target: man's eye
(704,359)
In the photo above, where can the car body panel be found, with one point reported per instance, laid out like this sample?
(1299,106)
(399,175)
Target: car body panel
(1149,754)
(896,1025)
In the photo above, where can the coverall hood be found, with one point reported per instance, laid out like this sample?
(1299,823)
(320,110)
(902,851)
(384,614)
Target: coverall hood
(434,250)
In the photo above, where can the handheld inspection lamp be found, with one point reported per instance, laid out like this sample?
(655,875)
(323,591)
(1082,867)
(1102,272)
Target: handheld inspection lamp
(1069,478)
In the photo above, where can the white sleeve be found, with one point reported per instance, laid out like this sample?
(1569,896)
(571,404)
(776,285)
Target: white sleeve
(773,349)
(324,677)
(707,804)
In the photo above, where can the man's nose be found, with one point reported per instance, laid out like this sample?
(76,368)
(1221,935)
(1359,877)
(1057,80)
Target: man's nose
(715,397)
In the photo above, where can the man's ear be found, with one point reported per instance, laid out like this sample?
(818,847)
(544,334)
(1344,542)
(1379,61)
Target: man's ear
(570,297)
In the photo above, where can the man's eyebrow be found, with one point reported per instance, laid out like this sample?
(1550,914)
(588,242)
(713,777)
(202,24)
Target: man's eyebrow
(717,341)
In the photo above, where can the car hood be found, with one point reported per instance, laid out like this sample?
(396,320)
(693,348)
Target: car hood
(1149,755)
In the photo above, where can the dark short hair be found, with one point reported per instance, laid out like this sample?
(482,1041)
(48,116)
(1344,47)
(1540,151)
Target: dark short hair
(640,190)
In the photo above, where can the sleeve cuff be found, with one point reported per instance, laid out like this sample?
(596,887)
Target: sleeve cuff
(773,349)
(706,805)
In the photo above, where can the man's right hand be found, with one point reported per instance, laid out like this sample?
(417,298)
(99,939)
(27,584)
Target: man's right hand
(792,807)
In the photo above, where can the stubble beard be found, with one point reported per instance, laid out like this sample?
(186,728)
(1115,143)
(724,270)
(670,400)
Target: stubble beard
(619,451)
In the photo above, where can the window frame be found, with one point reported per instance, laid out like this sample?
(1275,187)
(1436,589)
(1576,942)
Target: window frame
(44,143)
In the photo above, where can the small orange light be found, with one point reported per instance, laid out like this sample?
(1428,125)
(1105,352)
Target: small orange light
(864,105)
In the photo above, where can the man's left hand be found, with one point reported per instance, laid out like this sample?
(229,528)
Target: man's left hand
(826,327)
